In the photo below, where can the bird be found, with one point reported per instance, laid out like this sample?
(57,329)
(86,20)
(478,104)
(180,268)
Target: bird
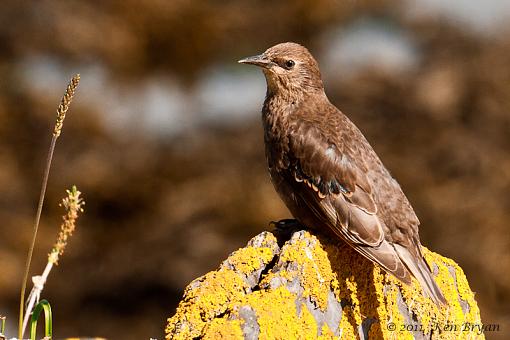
(329,176)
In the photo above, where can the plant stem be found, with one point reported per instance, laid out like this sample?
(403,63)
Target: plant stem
(61,114)
(34,236)
(33,298)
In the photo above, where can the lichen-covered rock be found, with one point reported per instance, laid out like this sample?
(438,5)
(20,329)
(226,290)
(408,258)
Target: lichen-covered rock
(311,287)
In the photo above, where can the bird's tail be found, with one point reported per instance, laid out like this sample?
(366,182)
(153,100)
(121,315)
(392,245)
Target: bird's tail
(421,271)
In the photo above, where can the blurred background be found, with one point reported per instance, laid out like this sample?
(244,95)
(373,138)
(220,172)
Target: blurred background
(165,142)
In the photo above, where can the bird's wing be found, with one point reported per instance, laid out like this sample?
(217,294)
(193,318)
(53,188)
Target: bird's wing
(339,194)
(332,174)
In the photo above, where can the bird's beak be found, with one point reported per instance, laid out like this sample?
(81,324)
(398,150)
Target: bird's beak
(259,60)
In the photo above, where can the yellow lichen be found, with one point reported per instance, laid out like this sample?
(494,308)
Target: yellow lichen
(211,304)
(393,323)
(277,315)
(249,259)
(326,333)
(348,327)
(204,299)
(223,329)
(313,269)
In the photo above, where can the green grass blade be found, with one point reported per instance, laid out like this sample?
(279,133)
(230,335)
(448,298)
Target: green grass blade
(2,325)
(44,305)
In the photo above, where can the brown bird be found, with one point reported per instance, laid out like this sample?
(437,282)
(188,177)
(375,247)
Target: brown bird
(327,173)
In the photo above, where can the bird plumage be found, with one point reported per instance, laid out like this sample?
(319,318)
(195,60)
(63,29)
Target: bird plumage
(327,173)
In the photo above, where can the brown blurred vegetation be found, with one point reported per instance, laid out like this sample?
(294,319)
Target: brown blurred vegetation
(162,211)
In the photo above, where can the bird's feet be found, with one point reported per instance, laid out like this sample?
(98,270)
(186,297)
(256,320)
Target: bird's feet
(283,229)
(288,223)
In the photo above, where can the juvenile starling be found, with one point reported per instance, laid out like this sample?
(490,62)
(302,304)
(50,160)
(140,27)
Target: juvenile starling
(327,173)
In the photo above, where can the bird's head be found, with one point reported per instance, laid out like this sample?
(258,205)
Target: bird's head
(289,69)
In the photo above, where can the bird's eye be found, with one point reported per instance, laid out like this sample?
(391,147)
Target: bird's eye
(289,64)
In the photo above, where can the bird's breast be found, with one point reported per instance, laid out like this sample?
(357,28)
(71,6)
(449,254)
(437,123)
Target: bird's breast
(275,136)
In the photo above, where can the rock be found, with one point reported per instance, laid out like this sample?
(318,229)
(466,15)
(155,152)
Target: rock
(313,287)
